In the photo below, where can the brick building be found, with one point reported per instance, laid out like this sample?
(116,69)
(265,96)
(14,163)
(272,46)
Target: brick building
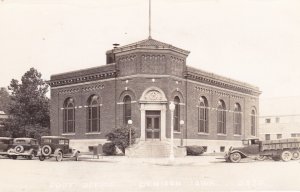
(138,82)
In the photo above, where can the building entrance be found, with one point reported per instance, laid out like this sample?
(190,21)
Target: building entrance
(152,125)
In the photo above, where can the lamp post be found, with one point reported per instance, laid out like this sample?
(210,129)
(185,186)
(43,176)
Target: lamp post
(172,108)
(129,124)
(181,128)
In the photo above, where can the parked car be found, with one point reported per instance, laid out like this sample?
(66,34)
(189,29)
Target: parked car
(5,145)
(24,147)
(58,147)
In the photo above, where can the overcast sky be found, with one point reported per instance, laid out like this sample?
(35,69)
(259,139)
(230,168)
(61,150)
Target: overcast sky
(255,41)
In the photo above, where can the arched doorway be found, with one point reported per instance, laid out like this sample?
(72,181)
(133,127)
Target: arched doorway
(153,114)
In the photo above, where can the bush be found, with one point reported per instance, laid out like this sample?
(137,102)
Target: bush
(109,149)
(194,150)
(120,137)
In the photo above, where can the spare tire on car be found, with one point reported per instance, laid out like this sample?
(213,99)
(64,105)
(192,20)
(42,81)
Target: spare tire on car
(46,150)
(19,149)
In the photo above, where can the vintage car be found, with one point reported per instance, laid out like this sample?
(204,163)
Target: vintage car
(5,145)
(58,147)
(280,149)
(23,147)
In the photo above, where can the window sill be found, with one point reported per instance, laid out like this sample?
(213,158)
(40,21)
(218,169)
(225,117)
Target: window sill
(200,133)
(176,132)
(93,133)
(221,134)
(68,134)
(237,135)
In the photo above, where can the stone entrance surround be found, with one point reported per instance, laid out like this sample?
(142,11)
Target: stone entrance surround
(153,99)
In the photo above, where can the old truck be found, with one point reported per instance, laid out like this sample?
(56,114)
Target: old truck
(281,149)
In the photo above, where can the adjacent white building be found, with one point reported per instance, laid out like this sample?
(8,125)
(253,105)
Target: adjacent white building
(279,118)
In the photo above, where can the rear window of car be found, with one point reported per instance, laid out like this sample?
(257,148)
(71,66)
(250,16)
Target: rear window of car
(46,140)
(19,141)
(61,142)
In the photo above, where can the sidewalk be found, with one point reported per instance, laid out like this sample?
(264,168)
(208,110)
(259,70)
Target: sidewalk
(188,160)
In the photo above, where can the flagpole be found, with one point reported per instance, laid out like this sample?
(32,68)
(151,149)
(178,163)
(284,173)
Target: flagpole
(149,19)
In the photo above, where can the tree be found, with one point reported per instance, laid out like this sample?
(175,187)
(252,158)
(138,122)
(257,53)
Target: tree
(120,137)
(29,109)
(4,99)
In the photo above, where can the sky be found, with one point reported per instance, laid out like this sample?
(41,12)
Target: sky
(254,41)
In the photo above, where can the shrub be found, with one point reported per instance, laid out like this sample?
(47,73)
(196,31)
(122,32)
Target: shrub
(120,137)
(109,149)
(194,150)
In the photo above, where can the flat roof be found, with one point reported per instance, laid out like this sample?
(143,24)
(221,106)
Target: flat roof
(24,138)
(53,137)
(5,138)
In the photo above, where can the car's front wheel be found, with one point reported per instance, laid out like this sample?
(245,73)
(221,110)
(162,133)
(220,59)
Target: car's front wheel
(59,156)
(235,157)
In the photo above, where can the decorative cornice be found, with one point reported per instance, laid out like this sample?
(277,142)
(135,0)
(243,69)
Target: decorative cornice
(82,79)
(218,81)
(149,44)
(219,93)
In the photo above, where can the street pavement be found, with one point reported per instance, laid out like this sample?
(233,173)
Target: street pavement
(202,173)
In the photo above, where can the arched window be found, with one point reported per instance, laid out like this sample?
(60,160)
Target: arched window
(237,119)
(253,122)
(69,116)
(221,117)
(203,115)
(127,109)
(93,114)
(177,114)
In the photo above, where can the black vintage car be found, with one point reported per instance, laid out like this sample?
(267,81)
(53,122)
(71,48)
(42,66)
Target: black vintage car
(5,145)
(58,147)
(24,147)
